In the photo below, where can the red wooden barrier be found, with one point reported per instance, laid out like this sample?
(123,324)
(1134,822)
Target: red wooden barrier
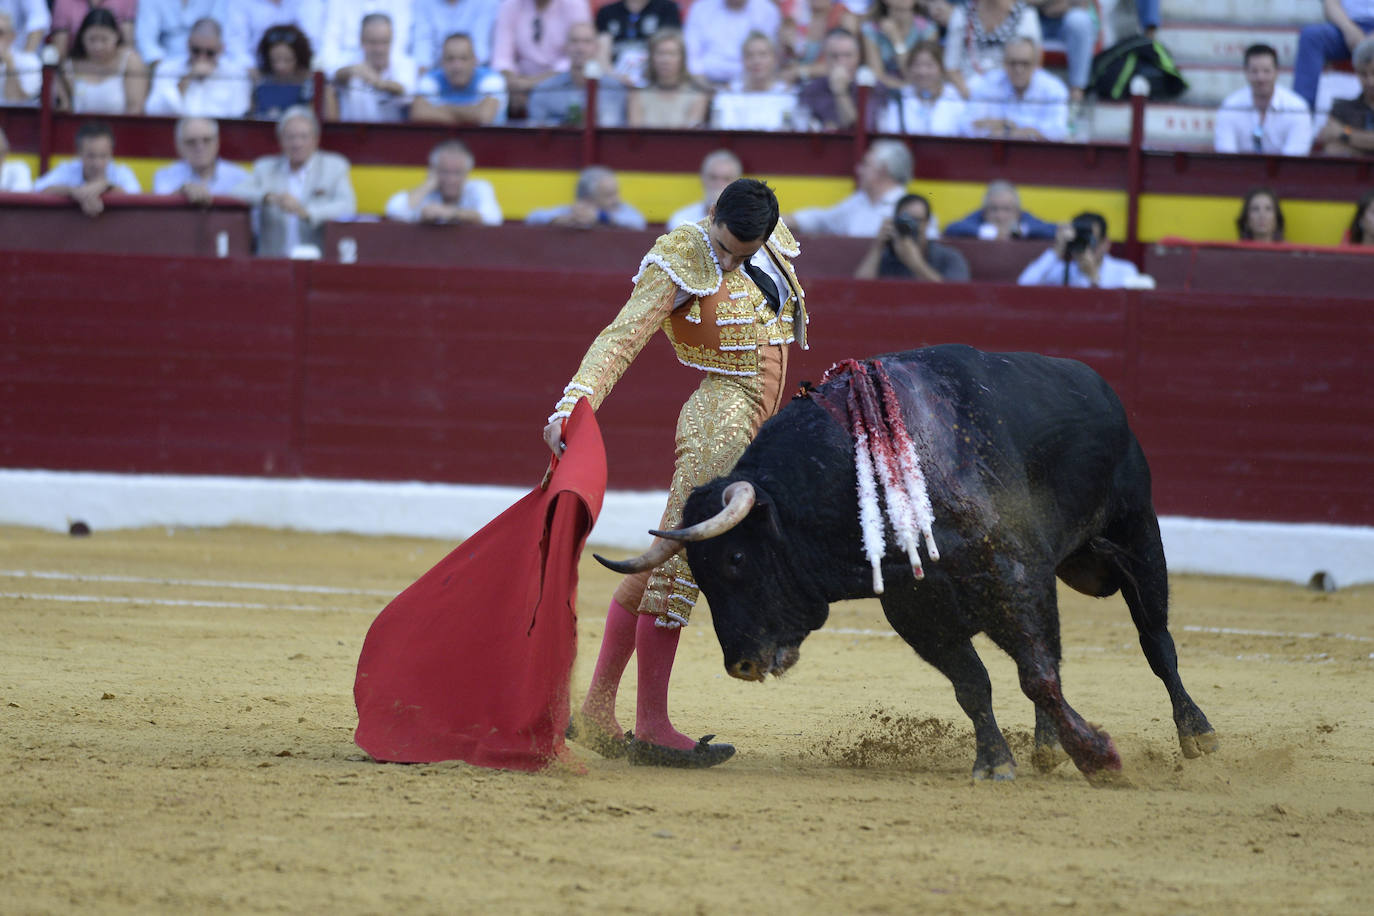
(1248,406)
(131,223)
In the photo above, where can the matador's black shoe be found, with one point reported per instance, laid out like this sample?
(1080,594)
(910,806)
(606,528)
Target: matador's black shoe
(703,754)
(599,740)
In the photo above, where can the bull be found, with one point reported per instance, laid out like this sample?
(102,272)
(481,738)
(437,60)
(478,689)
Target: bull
(1032,473)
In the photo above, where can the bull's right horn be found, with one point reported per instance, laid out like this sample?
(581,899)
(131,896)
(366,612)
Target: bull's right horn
(657,554)
(738,499)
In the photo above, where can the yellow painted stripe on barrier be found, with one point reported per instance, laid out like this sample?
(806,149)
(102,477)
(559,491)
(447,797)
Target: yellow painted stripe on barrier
(658,194)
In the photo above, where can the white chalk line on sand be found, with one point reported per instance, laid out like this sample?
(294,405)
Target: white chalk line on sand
(195,583)
(335,590)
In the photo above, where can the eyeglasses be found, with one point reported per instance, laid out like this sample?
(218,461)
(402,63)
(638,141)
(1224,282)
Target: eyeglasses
(282,33)
(198,141)
(204,52)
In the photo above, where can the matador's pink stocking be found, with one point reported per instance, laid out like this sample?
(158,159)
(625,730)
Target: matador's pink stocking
(657,647)
(617,645)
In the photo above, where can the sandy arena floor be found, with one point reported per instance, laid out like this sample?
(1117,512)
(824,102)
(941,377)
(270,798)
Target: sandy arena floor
(176,714)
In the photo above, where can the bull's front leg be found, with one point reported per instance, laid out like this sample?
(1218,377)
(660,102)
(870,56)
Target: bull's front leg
(959,662)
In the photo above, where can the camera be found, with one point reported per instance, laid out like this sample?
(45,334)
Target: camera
(1084,237)
(906,225)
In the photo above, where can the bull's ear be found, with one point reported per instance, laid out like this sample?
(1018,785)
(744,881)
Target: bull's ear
(768,507)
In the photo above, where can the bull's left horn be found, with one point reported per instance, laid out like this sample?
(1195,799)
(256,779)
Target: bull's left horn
(738,499)
(657,554)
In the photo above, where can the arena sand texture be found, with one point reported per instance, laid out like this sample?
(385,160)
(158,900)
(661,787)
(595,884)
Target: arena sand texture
(180,747)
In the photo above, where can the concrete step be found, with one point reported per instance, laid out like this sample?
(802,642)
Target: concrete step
(1247,12)
(1167,126)
(1224,45)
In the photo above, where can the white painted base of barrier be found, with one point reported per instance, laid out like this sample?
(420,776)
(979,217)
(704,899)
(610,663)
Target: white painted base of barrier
(52,500)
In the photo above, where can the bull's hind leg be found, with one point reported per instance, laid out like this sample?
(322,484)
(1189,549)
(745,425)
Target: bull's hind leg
(1028,631)
(1145,586)
(955,658)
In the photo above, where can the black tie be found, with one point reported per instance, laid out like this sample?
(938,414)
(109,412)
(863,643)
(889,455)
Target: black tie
(764,283)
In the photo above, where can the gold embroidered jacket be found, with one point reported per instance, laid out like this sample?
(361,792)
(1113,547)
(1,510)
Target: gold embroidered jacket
(717,330)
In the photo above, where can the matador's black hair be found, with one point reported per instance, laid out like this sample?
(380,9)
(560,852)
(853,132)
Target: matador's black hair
(748,208)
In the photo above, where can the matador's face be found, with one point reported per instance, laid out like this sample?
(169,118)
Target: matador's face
(730,251)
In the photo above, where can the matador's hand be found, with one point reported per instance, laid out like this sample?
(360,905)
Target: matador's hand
(553,437)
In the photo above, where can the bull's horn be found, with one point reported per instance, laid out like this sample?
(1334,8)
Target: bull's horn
(738,499)
(657,554)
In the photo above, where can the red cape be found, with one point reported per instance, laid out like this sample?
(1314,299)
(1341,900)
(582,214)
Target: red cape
(472,661)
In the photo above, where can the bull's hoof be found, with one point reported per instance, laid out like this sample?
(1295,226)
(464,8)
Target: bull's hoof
(1109,779)
(1046,757)
(1197,745)
(702,755)
(1000,773)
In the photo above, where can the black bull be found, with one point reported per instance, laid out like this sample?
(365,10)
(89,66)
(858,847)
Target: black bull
(1032,473)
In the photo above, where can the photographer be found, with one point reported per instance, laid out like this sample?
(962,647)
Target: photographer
(1079,258)
(902,248)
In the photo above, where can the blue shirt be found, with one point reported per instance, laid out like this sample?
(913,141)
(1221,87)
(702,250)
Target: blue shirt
(436,88)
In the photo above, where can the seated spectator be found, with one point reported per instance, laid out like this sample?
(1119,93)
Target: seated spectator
(67,16)
(1001,217)
(200,175)
(1349,131)
(762,100)
(162,27)
(247,22)
(928,103)
(718,169)
(202,81)
(802,41)
(340,31)
(882,174)
(296,192)
(1021,100)
(32,22)
(14,175)
(528,45)
(710,56)
(1361,231)
(598,205)
(562,98)
(1068,23)
(831,101)
(459,91)
(378,85)
(283,78)
(623,30)
(977,36)
(21,71)
(435,20)
(1263,117)
(892,29)
(1347,23)
(1079,258)
(1260,218)
(904,248)
(103,74)
(448,195)
(1147,14)
(670,97)
(93,174)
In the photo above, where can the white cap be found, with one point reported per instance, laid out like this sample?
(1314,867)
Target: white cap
(1140,85)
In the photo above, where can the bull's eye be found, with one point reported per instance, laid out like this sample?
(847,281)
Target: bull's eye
(737,559)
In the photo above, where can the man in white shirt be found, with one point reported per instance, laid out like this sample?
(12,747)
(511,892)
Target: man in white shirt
(200,175)
(710,55)
(14,175)
(380,85)
(436,20)
(760,100)
(883,175)
(31,19)
(448,195)
(718,169)
(297,192)
(93,173)
(1263,117)
(1079,258)
(204,83)
(1021,100)
(161,27)
(338,39)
